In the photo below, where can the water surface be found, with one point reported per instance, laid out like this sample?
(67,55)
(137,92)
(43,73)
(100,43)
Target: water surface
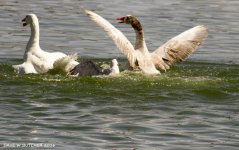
(194,105)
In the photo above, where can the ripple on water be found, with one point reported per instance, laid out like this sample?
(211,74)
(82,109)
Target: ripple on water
(194,105)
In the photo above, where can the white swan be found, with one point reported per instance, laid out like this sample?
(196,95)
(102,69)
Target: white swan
(174,50)
(37,60)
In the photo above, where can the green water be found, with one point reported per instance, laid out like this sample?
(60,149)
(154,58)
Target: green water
(192,105)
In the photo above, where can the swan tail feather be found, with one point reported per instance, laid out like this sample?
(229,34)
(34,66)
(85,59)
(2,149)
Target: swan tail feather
(66,63)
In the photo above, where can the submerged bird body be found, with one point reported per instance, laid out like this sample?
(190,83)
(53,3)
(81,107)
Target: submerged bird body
(35,59)
(175,50)
(89,68)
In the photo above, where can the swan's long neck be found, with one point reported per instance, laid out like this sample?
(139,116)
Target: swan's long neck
(33,43)
(139,42)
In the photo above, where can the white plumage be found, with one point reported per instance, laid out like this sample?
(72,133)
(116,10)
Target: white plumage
(174,50)
(115,68)
(37,60)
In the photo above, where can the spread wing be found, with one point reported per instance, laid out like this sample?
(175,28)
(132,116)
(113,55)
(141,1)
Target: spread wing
(180,47)
(117,36)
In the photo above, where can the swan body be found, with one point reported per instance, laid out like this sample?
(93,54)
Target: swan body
(37,60)
(175,50)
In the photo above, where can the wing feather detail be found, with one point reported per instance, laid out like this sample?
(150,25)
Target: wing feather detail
(180,47)
(117,36)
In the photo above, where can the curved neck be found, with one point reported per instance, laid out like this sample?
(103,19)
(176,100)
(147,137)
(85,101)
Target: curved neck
(139,42)
(33,42)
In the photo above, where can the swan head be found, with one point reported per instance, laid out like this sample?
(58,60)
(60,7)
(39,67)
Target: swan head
(29,19)
(127,19)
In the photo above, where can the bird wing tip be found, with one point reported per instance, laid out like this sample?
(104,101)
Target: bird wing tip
(203,27)
(88,12)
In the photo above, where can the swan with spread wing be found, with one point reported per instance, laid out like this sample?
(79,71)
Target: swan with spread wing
(175,50)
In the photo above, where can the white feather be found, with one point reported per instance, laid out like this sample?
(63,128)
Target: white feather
(176,49)
(37,60)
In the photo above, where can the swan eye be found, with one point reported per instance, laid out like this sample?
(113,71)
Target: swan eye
(28,17)
(127,19)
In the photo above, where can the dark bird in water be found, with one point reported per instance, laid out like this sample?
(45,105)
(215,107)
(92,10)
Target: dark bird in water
(89,68)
